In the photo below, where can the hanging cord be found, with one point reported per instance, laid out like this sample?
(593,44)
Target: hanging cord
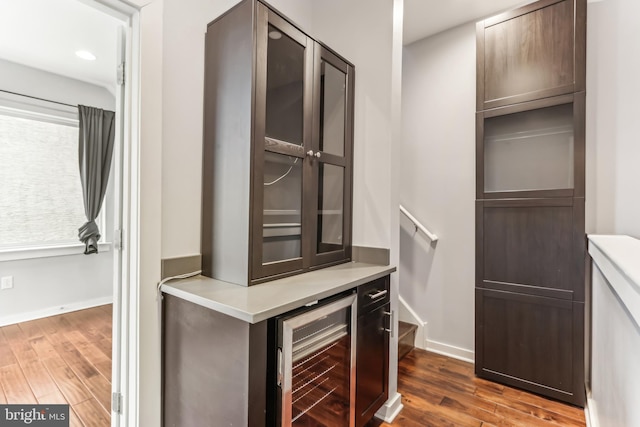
(168,279)
(285,174)
(159,299)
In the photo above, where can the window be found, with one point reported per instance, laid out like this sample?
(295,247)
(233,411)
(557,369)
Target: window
(40,192)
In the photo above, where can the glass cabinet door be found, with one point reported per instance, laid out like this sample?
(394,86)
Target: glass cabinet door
(332,142)
(284,70)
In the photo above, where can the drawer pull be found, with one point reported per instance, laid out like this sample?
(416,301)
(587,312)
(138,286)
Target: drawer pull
(378,294)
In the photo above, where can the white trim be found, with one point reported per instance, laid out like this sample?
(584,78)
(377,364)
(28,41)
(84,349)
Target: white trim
(617,257)
(390,410)
(125,369)
(407,314)
(451,351)
(54,311)
(32,252)
(591,414)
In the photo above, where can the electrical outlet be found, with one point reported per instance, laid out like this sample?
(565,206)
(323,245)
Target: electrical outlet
(6,282)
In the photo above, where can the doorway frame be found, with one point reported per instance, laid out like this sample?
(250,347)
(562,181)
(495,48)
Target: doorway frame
(125,339)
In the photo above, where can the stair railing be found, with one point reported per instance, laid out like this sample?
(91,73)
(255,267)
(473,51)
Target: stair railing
(432,236)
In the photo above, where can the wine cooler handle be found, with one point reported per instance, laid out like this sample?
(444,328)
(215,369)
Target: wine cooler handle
(280,368)
(390,329)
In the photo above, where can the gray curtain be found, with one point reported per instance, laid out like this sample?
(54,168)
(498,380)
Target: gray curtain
(95,149)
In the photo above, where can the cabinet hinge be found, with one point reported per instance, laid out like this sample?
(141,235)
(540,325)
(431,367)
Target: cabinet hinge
(116,402)
(120,73)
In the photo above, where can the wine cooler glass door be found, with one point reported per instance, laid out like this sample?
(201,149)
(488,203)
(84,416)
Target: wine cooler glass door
(317,369)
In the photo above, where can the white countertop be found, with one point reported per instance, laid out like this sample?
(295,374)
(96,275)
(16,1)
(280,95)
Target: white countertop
(618,257)
(256,303)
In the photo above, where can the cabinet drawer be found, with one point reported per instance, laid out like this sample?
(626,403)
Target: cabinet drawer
(373,294)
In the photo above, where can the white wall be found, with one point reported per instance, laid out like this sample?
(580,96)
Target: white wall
(613,200)
(33,82)
(437,185)
(613,87)
(615,372)
(44,286)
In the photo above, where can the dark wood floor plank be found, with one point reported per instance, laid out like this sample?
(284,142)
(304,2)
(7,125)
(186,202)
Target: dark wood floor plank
(528,408)
(441,391)
(547,404)
(92,414)
(15,385)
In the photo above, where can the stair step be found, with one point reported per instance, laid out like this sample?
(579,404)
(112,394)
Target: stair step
(406,338)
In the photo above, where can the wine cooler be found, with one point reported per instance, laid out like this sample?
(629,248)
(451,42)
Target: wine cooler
(316,365)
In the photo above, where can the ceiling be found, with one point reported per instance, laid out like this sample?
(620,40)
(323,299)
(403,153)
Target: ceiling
(45,34)
(423,18)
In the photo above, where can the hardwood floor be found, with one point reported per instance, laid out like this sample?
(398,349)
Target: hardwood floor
(441,391)
(60,359)
(67,359)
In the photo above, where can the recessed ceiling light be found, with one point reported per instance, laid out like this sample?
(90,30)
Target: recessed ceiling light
(85,54)
(275,35)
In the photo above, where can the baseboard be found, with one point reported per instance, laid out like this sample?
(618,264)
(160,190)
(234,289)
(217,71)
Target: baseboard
(53,311)
(451,351)
(390,410)
(591,414)
(406,314)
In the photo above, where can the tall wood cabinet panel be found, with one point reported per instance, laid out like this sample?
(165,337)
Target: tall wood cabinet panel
(530,188)
(533,52)
(277,149)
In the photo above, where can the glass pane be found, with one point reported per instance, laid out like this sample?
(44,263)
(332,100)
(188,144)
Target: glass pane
(330,207)
(532,150)
(320,375)
(285,83)
(332,101)
(282,207)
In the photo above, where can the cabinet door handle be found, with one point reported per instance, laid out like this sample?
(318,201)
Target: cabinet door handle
(318,154)
(390,329)
(310,153)
(378,294)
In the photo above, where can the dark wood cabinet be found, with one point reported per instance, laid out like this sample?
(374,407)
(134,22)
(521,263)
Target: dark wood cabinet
(530,189)
(534,52)
(372,357)
(532,340)
(277,155)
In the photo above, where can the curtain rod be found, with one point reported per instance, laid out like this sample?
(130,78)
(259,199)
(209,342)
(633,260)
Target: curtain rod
(40,99)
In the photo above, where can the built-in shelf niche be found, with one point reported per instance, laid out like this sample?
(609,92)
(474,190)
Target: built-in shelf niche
(530,150)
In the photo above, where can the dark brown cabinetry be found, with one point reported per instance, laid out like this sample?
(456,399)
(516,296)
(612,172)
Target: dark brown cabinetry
(534,52)
(372,360)
(277,153)
(530,188)
(221,370)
